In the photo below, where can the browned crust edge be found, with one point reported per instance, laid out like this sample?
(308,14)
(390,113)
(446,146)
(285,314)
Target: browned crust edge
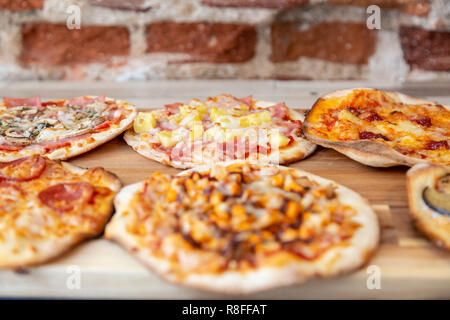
(421,218)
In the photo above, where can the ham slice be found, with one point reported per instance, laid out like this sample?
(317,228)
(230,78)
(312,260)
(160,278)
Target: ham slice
(84,101)
(61,143)
(279,111)
(246,100)
(18,102)
(292,127)
(173,108)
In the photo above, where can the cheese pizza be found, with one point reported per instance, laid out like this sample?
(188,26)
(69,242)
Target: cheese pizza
(429,201)
(47,207)
(222,128)
(381,129)
(60,129)
(240,227)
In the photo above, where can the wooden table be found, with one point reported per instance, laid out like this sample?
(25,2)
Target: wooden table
(411,267)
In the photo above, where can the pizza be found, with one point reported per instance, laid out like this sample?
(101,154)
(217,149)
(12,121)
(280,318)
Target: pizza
(221,128)
(60,129)
(381,129)
(240,227)
(47,207)
(429,201)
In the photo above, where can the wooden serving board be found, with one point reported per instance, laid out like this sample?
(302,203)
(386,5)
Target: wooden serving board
(410,266)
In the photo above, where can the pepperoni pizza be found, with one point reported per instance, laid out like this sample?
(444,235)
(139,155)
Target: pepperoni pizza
(46,207)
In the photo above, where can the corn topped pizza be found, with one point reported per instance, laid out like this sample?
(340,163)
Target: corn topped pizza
(238,227)
(221,128)
(60,129)
(381,128)
(47,206)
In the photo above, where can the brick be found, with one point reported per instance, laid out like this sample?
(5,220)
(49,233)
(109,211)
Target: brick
(272,4)
(424,49)
(349,43)
(21,5)
(413,7)
(55,44)
(133,5)
(204,42)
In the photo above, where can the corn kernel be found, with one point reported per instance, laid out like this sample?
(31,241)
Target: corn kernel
(293,187)
(216,198)
(277,180)
(304,232)
(238,210)
(292,210)
(171,195)
(289,235)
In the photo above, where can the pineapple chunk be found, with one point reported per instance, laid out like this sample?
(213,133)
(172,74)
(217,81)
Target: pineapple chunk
(168,139)
(216,133)
(144,122)
(176,117)
(277,139)
(201,108)
(255,119)
(191,119)
(197,131)
(216,113)
(240,110)
(185,110)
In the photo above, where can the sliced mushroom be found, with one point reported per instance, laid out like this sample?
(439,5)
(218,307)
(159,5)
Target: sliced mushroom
(18,111)
(29,110)
(438,201)
(16,138)
(18,141)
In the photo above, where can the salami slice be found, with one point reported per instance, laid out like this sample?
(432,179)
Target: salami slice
(278,111)
(23,169)
(66,196)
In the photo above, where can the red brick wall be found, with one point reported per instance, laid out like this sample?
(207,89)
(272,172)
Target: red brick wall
(288,39)
(19,5)
(208,42)
(55,44)
(342,42)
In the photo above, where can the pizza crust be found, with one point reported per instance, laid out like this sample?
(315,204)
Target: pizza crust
(334,262)
(368,152)
(78,146)
(298,150)
(50,248)
(434,225)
